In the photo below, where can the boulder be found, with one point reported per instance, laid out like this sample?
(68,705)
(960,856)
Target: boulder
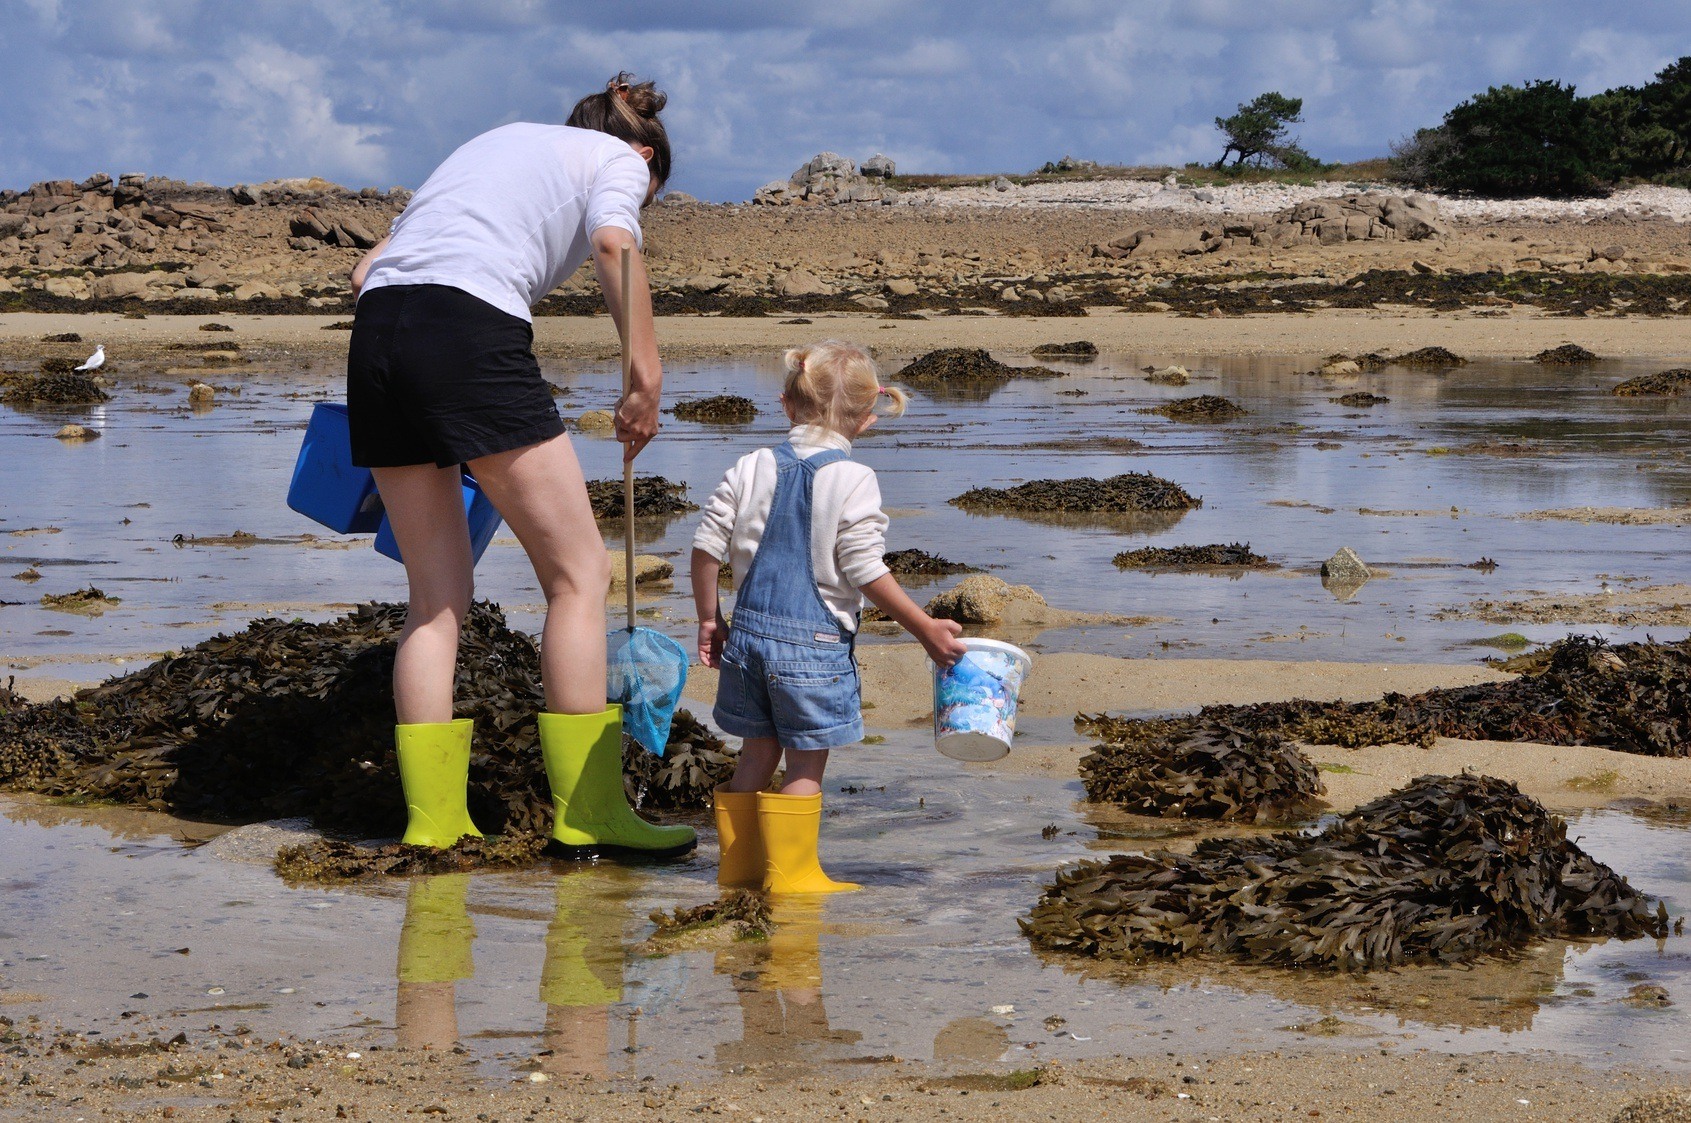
(1345,568)
(77,433)
(1349,218)
(119,286)
(803,283)
(774,193)
(647,568)
(980,599)
(879,167)
(902,286)
(596,421)
(870,301)
(1001,184)
(705,282)
(246,195)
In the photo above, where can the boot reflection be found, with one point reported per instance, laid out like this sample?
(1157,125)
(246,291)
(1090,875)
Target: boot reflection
(582,976)
(434,952)
(784,1022)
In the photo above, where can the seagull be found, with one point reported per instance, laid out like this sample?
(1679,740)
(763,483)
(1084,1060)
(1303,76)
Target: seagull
(94,361)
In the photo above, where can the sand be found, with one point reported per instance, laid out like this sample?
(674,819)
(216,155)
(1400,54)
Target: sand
(1635,606)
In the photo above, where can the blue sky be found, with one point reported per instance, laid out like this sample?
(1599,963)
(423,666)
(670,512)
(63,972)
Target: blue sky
(376,92)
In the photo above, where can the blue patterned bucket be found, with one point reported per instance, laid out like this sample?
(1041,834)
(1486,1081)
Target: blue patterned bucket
(975,700)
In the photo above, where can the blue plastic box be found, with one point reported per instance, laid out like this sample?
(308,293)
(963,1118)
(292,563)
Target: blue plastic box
(478,508)
(327,486)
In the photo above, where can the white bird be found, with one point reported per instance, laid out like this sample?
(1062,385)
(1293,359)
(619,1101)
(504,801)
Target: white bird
(94,361)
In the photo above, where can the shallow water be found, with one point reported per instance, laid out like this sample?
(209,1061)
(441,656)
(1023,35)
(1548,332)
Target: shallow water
(162,470)
(926,965)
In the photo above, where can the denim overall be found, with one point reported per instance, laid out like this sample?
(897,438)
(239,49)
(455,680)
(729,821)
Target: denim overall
(788,668)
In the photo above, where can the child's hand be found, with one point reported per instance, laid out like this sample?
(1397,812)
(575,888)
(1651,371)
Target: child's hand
(711,636)
(942,643)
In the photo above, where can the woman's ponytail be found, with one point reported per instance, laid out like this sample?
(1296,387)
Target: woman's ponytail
(628,110)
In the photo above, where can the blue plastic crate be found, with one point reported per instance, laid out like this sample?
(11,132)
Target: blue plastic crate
(478,508)
(327,486)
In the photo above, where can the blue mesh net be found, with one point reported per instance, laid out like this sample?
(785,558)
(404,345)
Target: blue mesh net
(646,672)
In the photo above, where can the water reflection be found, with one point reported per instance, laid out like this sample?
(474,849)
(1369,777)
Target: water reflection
(434,954)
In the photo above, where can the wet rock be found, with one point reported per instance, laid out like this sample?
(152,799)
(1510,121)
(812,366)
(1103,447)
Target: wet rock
(980,599)
(77,433)
(293,719)
(1666,384)
(1203,408)
(653,496)
(202,394)
(1359,400)
(721,409)
(259,843)
(1212,772)
(1444,870)
(1176,557)
(1648,996)
(83,602)
(1131,491)
(1080,348)
(68,389)
(597,421)
(1344,368)
(1345,567)
(1168,376)
(1566,354)
(965,366)
(647,569)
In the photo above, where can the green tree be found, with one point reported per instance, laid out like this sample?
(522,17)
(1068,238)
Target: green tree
(1537,139)
(1660,137)
(1258,132)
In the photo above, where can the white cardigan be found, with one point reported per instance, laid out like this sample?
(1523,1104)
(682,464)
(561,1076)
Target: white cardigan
(848,529)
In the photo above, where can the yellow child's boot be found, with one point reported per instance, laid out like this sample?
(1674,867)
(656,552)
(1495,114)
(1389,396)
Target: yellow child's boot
(591,817)
(742,862)
(790,825)
(434,770)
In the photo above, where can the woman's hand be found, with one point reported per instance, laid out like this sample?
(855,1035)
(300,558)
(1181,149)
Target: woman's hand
(636,421)
(637,410)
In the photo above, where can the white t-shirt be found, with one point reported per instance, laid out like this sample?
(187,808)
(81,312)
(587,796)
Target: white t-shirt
(510,215)
(848,529)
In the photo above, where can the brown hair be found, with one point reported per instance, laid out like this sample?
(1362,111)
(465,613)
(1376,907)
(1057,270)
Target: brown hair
(629,111)
(835,385)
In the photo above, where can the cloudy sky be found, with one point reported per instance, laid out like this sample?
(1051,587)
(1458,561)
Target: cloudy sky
(376,92)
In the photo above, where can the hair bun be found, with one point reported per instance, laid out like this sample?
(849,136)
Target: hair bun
(644,98)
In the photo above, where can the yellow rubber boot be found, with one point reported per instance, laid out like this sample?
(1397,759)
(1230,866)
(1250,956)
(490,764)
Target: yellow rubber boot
(742,862)
(790,825)
(434,943)
(584,949)
(434,770)
(591,817)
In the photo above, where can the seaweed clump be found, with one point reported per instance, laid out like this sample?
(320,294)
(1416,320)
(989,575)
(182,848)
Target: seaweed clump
(1443,870)
(746,909)
(1565,355)
(653,496)
(1430,357)
(1664,384)
(1130,491)
(1079,349)
(333,859)
(719,409)
(920,563)
(965,366)
(67,389)
(289,718)
(1173,557)
(1360,398)
(1633,697)
(1204,407)
(1213,772)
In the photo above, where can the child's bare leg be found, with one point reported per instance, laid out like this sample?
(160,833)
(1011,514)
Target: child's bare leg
(804,771)
(758,758)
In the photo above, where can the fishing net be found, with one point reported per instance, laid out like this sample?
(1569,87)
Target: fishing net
(645,673)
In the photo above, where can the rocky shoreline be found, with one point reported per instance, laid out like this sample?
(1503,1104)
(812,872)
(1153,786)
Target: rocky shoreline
(136,244)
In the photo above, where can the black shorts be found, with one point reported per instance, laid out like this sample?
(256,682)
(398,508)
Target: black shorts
(437,376)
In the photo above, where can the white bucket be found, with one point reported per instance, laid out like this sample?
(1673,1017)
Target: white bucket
(975,700)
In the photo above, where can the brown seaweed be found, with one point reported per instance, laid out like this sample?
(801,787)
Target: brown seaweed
(920,563)
(1445,869)
(653,496)
(1361,398)
(1212,772)
(291,718)
(1429,357)
(967,365)
(1204,407)
(719,409)
(334,859)
(1079,349)
(1131,491)
(746,909)
(61,389)
(1237,554)
(1664,384)
(1565,355)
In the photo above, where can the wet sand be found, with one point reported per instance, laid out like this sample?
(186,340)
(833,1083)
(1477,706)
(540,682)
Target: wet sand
(1517,335)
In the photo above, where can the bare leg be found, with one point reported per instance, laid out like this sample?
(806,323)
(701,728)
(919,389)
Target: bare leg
(426,507)
(542,494)
(804,771)
(758,758)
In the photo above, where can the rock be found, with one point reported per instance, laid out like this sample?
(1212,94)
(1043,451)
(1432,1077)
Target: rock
(705,282)
(361,236)
(70,288)
(77,433)
(879,167)
(1421,266)
(1345,568)
(119,286)
(202,393)
(773,193)
(1612,253)
(800,282)
(1009,294)
(254,290)
(647,568)
(1344,368)
(871,301)
(980,599)
(596,421)
(1002,184)
(1672,1105)
(902,286)
(246,195)
(677,199)
(1169,375)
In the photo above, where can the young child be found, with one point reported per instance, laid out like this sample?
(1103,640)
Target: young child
(803,527)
